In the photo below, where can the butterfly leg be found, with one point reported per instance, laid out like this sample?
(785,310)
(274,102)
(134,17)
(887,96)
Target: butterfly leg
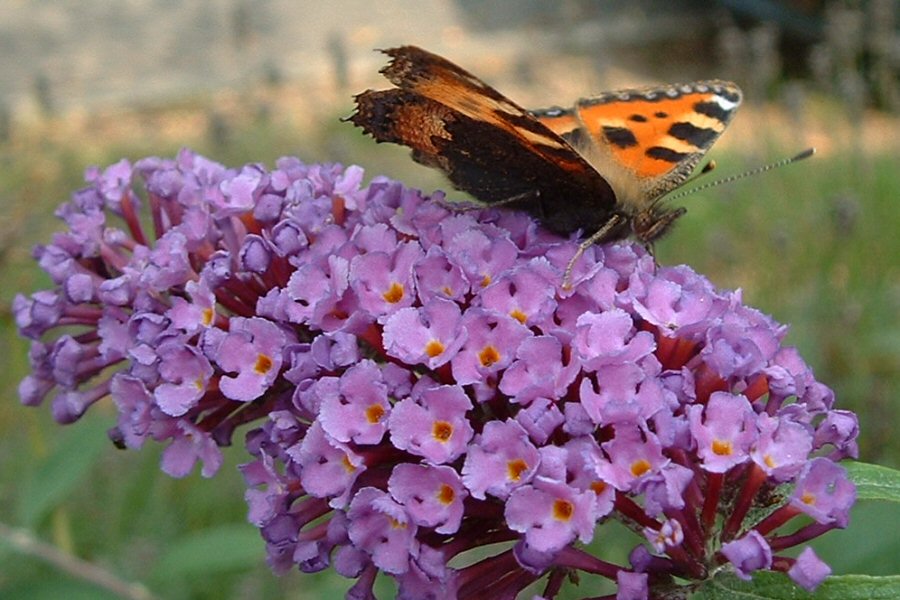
(465,205)
(460,206)
(529,195)
(614,222)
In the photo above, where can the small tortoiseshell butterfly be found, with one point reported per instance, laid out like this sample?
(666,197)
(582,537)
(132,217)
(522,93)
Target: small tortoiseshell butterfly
(602,166)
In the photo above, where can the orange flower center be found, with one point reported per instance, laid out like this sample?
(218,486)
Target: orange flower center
(488,356)
(722,447)
(515,468)
(394,294)
(519,316)
(445,494)
(442,431)
(263,364)
(639,467)
(562,510)
(374,413)
(348,466)
(434,348)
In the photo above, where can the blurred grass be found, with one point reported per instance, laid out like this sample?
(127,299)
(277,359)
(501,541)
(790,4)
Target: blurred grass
(814,244)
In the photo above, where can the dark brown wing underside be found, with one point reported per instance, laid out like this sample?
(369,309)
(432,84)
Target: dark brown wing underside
(484,143)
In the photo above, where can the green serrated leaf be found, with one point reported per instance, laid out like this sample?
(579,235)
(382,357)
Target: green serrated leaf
(778,586)
(226,548)
(69,464)
(874,482)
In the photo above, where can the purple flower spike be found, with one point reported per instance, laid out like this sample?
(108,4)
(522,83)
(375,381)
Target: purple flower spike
(421,389)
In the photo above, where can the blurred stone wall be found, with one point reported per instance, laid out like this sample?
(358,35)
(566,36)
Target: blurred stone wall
(65,55)
(60,55)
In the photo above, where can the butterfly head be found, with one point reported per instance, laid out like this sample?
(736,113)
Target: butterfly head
(652,223)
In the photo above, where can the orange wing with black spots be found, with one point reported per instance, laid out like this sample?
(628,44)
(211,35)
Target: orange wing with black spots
(656,135)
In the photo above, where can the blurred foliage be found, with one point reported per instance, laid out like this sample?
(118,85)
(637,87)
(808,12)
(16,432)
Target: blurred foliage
(814,245)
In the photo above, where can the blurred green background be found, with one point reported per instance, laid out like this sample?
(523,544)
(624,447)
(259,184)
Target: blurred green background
(815,244)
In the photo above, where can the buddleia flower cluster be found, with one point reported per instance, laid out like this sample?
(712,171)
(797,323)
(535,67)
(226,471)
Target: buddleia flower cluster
(414,382)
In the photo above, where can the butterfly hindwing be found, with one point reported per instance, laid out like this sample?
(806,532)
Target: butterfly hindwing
(485,144)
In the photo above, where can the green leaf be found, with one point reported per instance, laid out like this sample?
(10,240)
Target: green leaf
(863,547)
(68,466)
(874,482)
(778,586)
(220,549)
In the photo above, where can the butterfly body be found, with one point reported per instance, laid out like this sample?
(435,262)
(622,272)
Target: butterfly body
(601,167)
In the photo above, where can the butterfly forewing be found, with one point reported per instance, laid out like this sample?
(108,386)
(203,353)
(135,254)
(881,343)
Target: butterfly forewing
(658,134)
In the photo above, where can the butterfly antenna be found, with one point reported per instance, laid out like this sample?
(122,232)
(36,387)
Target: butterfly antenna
(731,178)
(703,170)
